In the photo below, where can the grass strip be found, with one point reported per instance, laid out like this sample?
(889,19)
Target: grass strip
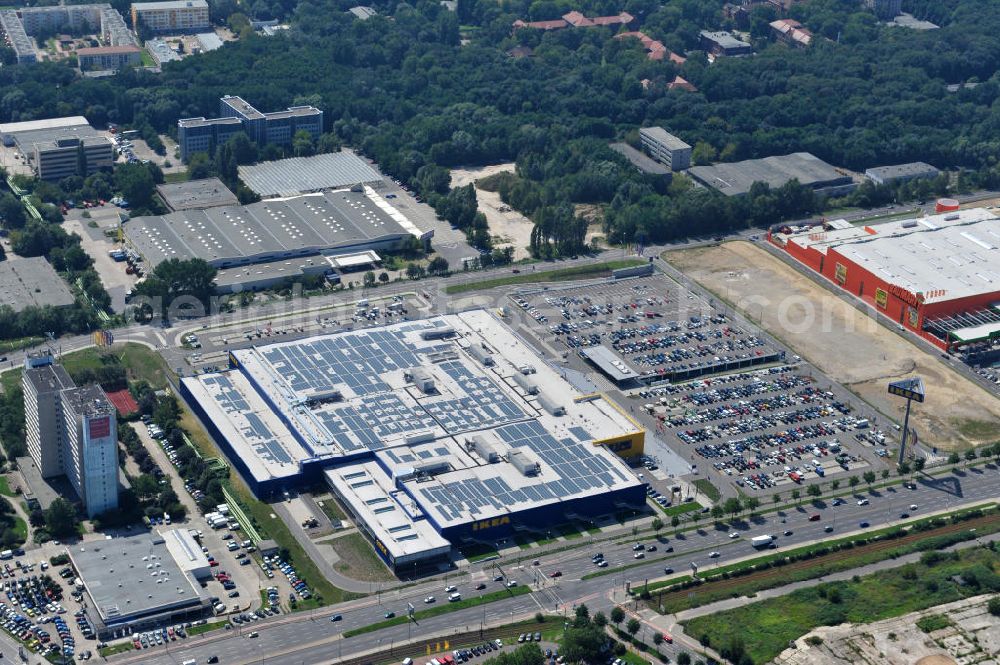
(758,632)
(437,610)
(602,269)
(121,647)
(706,487)
(808,563)
(206,627)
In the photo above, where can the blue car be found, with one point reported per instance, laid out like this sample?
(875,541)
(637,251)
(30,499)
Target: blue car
(864,525)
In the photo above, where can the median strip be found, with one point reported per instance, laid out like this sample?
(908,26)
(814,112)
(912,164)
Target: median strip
(437,610)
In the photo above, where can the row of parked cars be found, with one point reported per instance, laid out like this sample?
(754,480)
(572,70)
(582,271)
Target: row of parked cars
(157,637)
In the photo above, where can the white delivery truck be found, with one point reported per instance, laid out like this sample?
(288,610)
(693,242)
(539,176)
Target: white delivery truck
(761,541)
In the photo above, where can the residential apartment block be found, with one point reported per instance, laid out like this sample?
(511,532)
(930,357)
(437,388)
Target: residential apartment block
(71,431)
(665,148)
(202,135)
(171,17)
(100,19)
(108,58)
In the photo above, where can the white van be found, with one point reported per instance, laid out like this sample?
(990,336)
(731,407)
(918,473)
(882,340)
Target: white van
(407,661)
(190,661)
(454,597)
(7,554)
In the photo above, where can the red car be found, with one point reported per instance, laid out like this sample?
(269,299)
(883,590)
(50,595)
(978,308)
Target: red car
(668,638)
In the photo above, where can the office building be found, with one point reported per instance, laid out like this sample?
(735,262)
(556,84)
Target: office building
(304,175)
(665,148)
(279,127)
(71,431)
(938,276)
(431,433)
(724,44)
(174,16)
(53,146)
(108,58)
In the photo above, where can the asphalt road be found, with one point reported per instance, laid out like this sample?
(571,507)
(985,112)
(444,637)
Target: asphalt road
(312,638)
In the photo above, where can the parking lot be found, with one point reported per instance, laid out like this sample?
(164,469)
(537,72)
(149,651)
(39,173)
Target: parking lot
(984,359)
(661,331)
(770,427)
(717,391)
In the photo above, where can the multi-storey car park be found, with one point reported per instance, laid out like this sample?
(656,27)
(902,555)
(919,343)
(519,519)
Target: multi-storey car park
(432,433)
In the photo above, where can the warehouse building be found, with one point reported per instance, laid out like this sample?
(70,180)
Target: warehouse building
(890,175)
(32,282)
(665,148)
(196,194)
(431,433)
(279,127)
(736,178)
(174,16)
(53,146)
(310,230)
(302,175)
(938,276)
(136,584)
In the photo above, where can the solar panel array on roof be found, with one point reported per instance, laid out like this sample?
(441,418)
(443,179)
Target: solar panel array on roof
(568,470)
(264,442)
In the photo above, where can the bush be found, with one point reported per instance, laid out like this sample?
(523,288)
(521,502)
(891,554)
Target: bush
(814,640)
(994,606)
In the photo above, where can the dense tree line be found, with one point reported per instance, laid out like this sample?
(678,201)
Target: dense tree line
(401,88)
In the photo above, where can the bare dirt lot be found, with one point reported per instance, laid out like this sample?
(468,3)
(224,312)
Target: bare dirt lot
(843,342)
(511,226)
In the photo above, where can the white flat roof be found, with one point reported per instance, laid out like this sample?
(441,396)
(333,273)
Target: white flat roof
(975,333)
(389,513)
(944,257)
(350,394)
(48,123)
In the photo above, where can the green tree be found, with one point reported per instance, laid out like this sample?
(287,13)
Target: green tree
(752,504)
(60,519)
(703,153)
(717,512)
(582,640)
(970,455)
(12,212)
(796,495)
(814,491)
(136,184)
(675,522)
(617,615)
(369,279)
(633,626)
(885,473)
(175,282)
(993,606)
(383,277)
(853,481)
(657,525)
(903,468)
(835,485)
(953,458)
(776,498)
(683,658)
(869,477)
(302,144)
(657,639)
(600,620)
(438,265)
(732,505)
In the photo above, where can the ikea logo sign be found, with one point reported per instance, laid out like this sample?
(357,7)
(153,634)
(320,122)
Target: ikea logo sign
(482,525)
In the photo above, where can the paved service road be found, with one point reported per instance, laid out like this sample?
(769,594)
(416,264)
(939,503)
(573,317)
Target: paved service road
(314,639)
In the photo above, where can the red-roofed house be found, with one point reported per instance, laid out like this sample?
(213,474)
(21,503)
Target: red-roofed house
(623,18)
(656,50)
(681,84)
(575,19)
(791,32)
